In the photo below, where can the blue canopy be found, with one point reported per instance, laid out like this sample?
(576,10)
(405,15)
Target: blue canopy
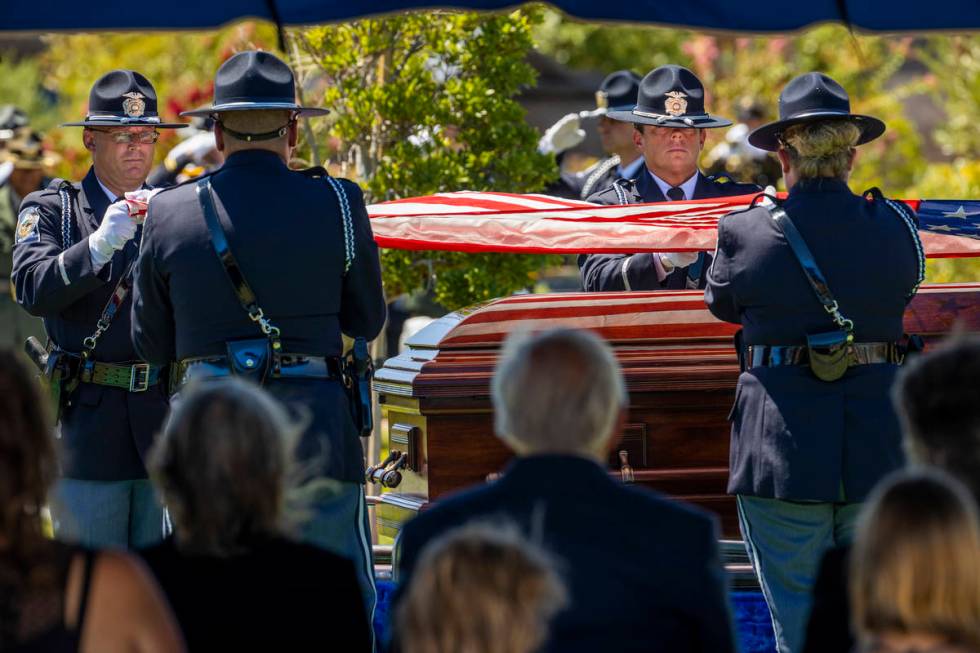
(745,16)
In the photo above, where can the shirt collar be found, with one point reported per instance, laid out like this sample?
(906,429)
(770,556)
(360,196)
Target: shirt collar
(687,186)
(631,170)
(108,193)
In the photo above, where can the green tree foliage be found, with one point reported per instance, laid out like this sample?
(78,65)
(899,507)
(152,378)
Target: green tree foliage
(19,86)
(425,103)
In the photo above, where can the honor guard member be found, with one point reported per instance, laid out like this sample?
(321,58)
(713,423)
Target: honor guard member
(306,270)
(669,123)
(73,258)
(819,285)
(616,93)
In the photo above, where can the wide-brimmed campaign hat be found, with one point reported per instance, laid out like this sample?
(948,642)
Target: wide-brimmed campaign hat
(123,98)
(671,96)
(26,151)
(251,81)
(809,98)
(618,92)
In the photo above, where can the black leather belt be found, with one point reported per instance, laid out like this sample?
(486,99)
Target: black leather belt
(862,353)
(294,366)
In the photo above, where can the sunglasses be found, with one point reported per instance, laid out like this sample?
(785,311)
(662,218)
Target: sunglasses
(125,138)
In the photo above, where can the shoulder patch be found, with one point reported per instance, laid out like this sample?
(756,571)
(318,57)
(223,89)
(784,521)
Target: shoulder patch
(27,222)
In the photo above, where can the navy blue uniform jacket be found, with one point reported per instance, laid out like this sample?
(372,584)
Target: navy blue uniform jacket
(105,431)
(285,229)
(601,272)
(643,572)
(794,436)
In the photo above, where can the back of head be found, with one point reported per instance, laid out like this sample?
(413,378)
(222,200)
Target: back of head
(238,127)
(915,565)
(479,589)
(936,398)
(822,148)
(559,391)
(27,456)
(221,464)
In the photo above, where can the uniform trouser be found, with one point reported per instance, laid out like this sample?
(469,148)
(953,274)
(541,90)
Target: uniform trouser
(786,541)
(338,521)
(107,514)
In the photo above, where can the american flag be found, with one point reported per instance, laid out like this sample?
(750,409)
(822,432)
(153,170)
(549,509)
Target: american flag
(471,221)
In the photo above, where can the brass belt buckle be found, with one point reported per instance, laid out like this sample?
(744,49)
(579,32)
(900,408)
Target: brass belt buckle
(139,377)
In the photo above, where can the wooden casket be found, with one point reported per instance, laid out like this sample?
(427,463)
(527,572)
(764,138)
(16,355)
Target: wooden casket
(680,368)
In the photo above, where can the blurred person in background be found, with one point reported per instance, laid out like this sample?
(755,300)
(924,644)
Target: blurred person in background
(935,396)
(224,466)
(617,92)
(739,159)
(915,567)
(481,588)
(23,166)
(53,596)
(643,572)
(196,154)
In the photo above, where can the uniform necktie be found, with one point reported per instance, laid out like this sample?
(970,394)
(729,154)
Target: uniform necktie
(675,193)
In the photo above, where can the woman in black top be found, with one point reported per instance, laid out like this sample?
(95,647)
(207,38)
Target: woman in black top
(55,597)
(233,580)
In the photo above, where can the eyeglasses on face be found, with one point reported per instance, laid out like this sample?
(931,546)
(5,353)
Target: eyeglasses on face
(125,138)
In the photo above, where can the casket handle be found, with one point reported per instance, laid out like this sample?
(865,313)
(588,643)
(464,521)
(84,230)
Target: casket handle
(386,473)
(625,469)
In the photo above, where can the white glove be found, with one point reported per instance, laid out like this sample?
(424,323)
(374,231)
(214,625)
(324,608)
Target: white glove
(563,135)
(117,229)
(192,149)
(673,260)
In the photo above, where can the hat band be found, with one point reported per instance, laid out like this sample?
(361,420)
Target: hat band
(122,119)
(257,104)
(659,117)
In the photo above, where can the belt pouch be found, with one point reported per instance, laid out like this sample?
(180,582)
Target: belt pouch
(830,354)
(249,358)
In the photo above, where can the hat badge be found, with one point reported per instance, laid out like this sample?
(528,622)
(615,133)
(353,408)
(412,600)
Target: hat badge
(134,105)
(675,104)
(601,100)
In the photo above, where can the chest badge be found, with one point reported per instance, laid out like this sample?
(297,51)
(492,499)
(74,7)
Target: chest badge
(675,104)
(134,105)
(27,225)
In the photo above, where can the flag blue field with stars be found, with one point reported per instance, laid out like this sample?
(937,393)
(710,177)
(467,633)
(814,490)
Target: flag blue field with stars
(950,217)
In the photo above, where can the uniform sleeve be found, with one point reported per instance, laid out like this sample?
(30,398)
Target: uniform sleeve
(362,306)
(719,293)
(48,279)
(152,324)
(605,272)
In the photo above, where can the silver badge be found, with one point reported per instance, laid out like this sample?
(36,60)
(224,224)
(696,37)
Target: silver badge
(27,226)
(134,105)
(675,104)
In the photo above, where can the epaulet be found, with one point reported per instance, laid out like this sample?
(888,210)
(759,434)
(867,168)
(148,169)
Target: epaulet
(316,172)
(725,180)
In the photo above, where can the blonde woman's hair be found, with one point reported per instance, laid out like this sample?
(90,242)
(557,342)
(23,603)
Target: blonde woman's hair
(915,565)
(481,588)
(821,149)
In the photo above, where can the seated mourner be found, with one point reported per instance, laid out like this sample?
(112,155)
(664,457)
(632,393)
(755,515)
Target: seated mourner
(812,427)
(235,583)
(643,572)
